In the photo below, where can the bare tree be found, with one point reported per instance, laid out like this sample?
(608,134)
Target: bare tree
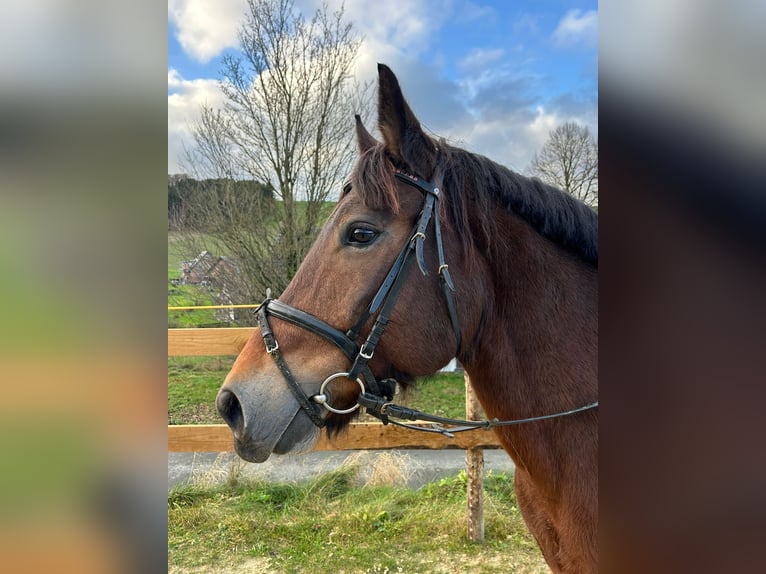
(569,160)
(287,122)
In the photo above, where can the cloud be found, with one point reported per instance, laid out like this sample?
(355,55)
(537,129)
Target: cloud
(470,12)
(577,28)
(480,58)
(491,108)
(406,27)
(184,100)
(509,120)
(526,23)
(205,27)
(511,137)
(492,111)
(543,123)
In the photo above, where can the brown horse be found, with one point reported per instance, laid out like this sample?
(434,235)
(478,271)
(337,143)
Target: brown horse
(516,303)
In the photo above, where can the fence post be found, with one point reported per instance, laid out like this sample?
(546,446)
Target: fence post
(474,470)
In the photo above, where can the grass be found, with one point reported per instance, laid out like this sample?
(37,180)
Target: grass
(442,394)
(194,381)
(178,241)
(335,523)
(192,386)
(191,295)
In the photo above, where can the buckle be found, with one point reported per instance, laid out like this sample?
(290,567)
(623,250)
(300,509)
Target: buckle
(364,355)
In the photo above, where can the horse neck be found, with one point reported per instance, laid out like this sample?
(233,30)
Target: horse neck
(535,351)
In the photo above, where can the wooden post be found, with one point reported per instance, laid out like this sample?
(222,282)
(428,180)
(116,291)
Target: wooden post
(474,469)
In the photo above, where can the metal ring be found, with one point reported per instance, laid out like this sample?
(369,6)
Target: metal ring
(321,398)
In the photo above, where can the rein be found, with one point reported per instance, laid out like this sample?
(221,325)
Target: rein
(378,402)
(382,410)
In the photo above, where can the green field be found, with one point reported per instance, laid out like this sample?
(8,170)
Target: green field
(339,523)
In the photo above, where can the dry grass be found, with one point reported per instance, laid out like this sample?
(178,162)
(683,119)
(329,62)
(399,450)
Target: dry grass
(386,468)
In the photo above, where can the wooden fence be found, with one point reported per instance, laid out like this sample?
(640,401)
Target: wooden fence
(360,436)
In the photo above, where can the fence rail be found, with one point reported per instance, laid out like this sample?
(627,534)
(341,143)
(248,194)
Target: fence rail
(360,436)
(208,341)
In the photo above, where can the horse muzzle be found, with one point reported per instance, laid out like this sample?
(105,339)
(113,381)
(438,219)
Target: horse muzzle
(263,422)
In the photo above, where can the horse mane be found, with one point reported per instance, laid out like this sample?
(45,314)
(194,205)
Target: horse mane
(464,176)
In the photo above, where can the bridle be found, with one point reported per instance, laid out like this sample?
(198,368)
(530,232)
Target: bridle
(382,304)
(376,396)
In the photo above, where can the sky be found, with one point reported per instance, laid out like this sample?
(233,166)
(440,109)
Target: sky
(493,77)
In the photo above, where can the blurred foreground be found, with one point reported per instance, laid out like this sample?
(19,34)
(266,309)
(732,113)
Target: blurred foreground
(82,253)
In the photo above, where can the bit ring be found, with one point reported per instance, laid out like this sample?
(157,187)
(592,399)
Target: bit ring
(321,398)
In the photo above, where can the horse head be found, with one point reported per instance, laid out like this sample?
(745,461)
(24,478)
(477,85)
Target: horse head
(374,299)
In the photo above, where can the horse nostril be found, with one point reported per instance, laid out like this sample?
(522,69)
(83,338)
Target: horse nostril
(229,408)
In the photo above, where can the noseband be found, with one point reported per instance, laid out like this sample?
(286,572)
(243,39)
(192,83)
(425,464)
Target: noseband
(382,304)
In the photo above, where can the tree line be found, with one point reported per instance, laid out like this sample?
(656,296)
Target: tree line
(207,205)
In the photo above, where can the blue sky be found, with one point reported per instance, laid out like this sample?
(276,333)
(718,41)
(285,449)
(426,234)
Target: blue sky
(493,77)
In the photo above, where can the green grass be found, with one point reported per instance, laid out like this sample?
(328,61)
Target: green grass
(194,381)
(442,394)
(334,523)
(191,295)
(175,257)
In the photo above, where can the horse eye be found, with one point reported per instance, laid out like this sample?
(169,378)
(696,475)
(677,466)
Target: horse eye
(362,236)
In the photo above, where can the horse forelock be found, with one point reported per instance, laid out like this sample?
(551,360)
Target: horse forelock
(373,179)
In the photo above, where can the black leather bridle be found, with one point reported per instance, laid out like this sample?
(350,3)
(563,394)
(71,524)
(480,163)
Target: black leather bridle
(376,396)
(382,303)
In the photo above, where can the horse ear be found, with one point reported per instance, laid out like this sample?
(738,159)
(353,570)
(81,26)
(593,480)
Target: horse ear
(402,135)
(364,139)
